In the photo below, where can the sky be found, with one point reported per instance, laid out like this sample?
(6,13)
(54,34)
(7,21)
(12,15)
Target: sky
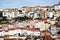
(22,3)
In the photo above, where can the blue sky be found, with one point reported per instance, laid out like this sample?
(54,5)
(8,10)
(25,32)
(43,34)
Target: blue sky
(21,3)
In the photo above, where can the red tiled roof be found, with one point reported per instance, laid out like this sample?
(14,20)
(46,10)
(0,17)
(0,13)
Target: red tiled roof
(11,28)
(6,30)
(0,30)
(55,24)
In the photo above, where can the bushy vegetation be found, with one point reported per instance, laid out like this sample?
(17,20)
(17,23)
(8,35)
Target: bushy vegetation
(3,20)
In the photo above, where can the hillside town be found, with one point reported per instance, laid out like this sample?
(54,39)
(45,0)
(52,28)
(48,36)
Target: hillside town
(30,23)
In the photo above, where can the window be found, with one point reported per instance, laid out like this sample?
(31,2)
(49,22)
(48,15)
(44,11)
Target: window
(4,13)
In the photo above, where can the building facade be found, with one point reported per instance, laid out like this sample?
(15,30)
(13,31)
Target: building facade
(10,13)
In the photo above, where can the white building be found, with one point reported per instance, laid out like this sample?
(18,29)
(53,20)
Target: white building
(10,13)
(45,7)
(57,6)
